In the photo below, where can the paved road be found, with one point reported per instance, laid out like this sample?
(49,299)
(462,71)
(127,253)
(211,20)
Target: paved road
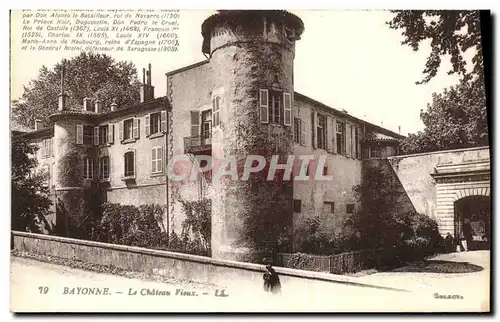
(27,276)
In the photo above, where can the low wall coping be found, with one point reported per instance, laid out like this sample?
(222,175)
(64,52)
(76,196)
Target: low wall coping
(436,152)
(207,260)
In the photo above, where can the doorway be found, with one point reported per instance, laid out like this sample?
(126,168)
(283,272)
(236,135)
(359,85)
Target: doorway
(473,221)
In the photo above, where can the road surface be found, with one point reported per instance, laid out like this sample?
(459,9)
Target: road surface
(44,287)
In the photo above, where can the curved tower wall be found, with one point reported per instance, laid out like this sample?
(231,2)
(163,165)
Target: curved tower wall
(249,51)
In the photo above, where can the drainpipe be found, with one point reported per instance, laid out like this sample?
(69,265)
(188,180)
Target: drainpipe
(166,176)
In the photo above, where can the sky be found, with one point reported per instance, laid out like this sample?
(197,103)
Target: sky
(347,59)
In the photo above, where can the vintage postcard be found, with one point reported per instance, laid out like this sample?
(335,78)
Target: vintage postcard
(250,161)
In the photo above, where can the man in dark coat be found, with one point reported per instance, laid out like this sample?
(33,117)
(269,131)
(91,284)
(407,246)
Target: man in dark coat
(271,280)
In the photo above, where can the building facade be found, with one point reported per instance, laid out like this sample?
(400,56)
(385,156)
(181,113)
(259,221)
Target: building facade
(240,101)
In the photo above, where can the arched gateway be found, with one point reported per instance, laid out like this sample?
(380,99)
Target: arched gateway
(463,198)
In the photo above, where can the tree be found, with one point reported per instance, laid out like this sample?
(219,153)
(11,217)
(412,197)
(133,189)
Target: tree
(457,118)
(86,75)
(30,201)
(451,32)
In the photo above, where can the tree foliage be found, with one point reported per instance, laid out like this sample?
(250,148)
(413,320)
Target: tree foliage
(451,32)
(86,75)
(30,201)
(456,118)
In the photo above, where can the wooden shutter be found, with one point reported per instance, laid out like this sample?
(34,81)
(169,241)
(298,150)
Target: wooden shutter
(135,129)
(287,109)
(348,139)
(153,160)
(195,123)
(146,124)
(79,134)
(264,105)
(334,136)
(163,119)
(159,157)
(329,141)
(353,142)
(52,153)
(302,132)
(313,129)
(96,135)
(111,133)
(120,134)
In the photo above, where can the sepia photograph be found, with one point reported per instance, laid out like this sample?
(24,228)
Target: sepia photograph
(250,161)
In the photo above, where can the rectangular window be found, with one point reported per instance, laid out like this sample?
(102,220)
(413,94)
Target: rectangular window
(375,152)
(195,123)
(302,132)
(104,168)
(157,160)
(313,129)
(206,122)
(88,168)
(329,206)
(88,134)
(287,109)
(350,208)
(154,124)
(79,134)
(275,108)
(321,132)
(216,111)
(128,128)
(340,136)
(297,206)
(103,134)
(129,159)
(264,105)
(296,130)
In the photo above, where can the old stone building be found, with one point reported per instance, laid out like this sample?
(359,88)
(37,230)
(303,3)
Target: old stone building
(239,101)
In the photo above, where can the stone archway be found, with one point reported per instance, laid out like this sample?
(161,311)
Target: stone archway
(473,220)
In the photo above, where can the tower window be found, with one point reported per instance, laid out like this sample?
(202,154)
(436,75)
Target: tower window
(129,159)
(275,108)
(350,208)
(88,168)
(329,206)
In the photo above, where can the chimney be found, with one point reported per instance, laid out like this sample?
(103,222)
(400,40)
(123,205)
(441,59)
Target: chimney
(98,106)
(62,96)
(38,125)
(87,104)
(399,129)
(147,90)
(114,105)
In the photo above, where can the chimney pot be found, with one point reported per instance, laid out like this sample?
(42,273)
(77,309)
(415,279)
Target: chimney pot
(114,105)
(98,106)
(87,104)
(38,125)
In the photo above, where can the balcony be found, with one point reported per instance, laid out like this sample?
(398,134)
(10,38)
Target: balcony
(197,144)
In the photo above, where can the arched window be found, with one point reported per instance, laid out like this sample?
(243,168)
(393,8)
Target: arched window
(129,159)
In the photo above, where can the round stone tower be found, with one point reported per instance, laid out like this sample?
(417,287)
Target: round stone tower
(251,58)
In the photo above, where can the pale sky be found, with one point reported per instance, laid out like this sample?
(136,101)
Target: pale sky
(346,59)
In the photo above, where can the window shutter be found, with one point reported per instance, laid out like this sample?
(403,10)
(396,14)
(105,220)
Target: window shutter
(96,135)
(120,134)
(334,136)
(159,156)
(153,160)
(135,130)
(79,134)
(111,133)
(52,153)
(347,139)
(313,129)
(163,118)
(353,142)
(302,132)
(287,109)
(195,123)
(264,105)
(146,125)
